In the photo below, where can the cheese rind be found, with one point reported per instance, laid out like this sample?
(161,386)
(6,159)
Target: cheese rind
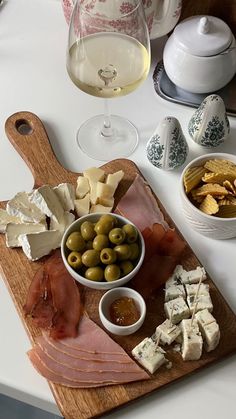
(37,245)
(167,332)
(5,219)
(82,187)
(149,355)
(192,340)
(21,206)
(174,291)
(46,199)
(82,206)
(67,220)
(66,194)
(209,329)
(13,232)
(178,308)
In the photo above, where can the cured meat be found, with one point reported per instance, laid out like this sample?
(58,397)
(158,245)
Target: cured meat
(152,238)
(171,244)
(53,299)
(140,206)
(76,371)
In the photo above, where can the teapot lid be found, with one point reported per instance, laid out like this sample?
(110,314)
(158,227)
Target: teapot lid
(203,35)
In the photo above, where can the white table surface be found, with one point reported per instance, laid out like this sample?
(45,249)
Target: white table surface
(33,77)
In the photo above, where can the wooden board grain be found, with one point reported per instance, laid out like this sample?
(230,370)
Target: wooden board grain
(18,272)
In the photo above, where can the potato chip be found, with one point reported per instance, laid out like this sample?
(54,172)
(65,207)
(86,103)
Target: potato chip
(196,198)
(209,205)
(221,166)
(228,185)
(211,189)
(193,177)
(223,202)
(227,211)
(211,177)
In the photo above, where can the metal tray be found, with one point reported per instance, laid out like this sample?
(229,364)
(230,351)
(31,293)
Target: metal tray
(169,91)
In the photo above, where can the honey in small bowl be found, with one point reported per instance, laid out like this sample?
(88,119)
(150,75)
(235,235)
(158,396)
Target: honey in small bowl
(124,312)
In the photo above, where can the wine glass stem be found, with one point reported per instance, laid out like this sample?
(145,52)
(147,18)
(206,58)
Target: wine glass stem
(107,130)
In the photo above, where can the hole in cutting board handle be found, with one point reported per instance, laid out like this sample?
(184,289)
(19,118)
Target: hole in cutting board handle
(23,127)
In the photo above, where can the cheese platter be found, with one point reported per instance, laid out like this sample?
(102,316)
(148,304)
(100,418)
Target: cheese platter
(34,147)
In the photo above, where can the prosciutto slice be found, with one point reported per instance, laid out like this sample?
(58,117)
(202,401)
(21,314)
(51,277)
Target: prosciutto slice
(53,299)
(76,371)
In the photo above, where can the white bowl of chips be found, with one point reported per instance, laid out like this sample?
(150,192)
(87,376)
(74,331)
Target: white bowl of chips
(208,194)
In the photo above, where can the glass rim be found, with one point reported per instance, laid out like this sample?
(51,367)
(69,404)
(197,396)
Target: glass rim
(121,16)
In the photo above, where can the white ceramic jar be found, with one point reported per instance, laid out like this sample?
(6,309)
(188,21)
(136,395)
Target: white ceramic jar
(200,55)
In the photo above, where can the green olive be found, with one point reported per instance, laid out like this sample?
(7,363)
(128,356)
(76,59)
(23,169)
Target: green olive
(134,248)
(126,267)
(107,256)
(75,260)
(116,236)
(110,219)
(75,242)
(87,230)
(131,233)
(94,274)
(100,241)
(112,273)
(123,251)
(90,258)
(103,226)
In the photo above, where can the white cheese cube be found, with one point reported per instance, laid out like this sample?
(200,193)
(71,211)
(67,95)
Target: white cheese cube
(100,208)
(106,202)
(82,205)
(194,276)
(203,301)
(46,199)
(82,187)
(174,291)
(149,355)
(192,340)
(175,278)
(13,231)
(20,206)
(167,332)
(94,174)
(66,194)
(67,220)
(5,219)
(191,289)
(37,245)
(114,179)
(209,329)
(176,310)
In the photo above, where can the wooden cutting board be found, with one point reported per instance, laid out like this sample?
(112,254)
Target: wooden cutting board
(27,134)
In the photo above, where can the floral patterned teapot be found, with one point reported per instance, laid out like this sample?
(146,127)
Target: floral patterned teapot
(161,15)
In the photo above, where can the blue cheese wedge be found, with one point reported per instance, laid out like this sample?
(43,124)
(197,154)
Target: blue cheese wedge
(20,206)
(176,310)
(203,302)
(209,329)
(37,245)
(5,219)
(192,289)
(47,201)
(13,232)
(66,195)
(167,332)
(149,355)
(194,276)
(175,278)
(192,340)
(174,291)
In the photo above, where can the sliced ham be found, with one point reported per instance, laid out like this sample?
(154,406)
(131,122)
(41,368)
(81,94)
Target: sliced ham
(64,369)
(140,206)
(53,299)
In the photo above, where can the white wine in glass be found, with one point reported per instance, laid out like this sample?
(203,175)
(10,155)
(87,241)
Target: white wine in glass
(108,56)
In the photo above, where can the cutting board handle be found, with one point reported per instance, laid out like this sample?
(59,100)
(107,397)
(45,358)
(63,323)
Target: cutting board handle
(27,134)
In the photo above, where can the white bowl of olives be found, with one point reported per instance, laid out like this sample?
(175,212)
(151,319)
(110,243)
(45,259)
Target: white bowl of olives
(102,251)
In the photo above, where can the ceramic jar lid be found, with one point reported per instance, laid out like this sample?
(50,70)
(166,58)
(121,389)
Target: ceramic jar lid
(203,35)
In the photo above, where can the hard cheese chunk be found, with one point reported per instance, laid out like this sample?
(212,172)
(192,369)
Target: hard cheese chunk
(21,206)
(66,194)
(37,245)
(13,232)
(174,291)
(46,199)
(114,179)
(94,174)
(100,208)
(82,205)
(5,219)
(167,332)
(209,329)
(176,310)
(149,355)
(194,276)
(192,340)
(82,187)
(202,302)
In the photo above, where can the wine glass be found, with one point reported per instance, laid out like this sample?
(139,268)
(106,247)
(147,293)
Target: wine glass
(108,56)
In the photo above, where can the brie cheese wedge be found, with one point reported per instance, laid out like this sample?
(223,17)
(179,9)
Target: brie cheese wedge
(66,194)
(37,245)
(13,232)
(21,206)
(46,199)
(5,219)
(67,220)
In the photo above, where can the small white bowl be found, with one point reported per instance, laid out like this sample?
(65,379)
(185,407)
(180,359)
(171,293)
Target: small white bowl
(75,226)
(208,225)
(108,298)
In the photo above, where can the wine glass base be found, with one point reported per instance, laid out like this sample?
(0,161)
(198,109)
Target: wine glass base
(121,143)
